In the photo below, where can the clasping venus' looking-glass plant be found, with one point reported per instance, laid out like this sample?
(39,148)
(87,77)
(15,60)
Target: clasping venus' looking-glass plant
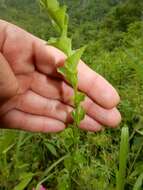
(59,20)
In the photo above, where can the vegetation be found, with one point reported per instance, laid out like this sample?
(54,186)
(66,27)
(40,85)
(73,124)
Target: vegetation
(112,29)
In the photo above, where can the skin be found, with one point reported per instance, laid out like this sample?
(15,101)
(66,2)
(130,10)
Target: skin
(34,97)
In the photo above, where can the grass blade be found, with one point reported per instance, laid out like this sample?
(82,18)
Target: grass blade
(139,182)
(123,156)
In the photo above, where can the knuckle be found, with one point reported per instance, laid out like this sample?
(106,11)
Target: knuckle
(9,90)
(12,89)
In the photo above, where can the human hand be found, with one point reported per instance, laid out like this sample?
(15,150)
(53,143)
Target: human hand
(34,97)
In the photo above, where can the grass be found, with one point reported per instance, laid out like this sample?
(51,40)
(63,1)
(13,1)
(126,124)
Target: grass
(123,156)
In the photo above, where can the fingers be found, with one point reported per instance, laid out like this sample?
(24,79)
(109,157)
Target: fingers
(38,105)
(33,103)
(8,82)
(89,124)
(95,86)
(107,117)
(48,58)
(51,88)
(19,120)
(15,119)
(61,91)
(18,46)
(57,90)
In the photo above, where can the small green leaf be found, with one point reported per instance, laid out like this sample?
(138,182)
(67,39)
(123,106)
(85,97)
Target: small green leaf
(72,78)
(81,113)
(68,163)
(139,183)
(70,68)
(79,158)
(63,43)
(73,60)
(78,115)
(60,17)
(52,5)
(51,148)
(7,141)
(64,180)
(63,71)
(57,13)
(25,179)
(79,97)
(69,75)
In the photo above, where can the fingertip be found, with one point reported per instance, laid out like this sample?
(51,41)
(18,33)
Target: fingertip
(114,118)
(58,56)
(58,127)
(105,94)
(112,98)
(90,124)
(48,58)
(15,119)
(46,125)
(96,87)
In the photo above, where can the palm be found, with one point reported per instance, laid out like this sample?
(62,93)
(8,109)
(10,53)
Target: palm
(43,101)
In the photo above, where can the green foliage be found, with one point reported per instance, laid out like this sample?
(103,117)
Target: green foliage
(139,182)
(124,14)
(64,180)
(57,13)
(69,71)
(25,179)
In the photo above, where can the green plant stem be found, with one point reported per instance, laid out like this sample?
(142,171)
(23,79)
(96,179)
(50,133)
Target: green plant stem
(42,181)
(49,169)
(54,165)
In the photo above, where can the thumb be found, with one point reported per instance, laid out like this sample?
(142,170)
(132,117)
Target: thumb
(8,82)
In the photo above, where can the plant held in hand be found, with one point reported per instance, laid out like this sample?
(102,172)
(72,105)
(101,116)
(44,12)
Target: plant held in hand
(59,19)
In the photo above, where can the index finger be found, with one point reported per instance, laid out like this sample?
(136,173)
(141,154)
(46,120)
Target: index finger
(96,87)
(48,59)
